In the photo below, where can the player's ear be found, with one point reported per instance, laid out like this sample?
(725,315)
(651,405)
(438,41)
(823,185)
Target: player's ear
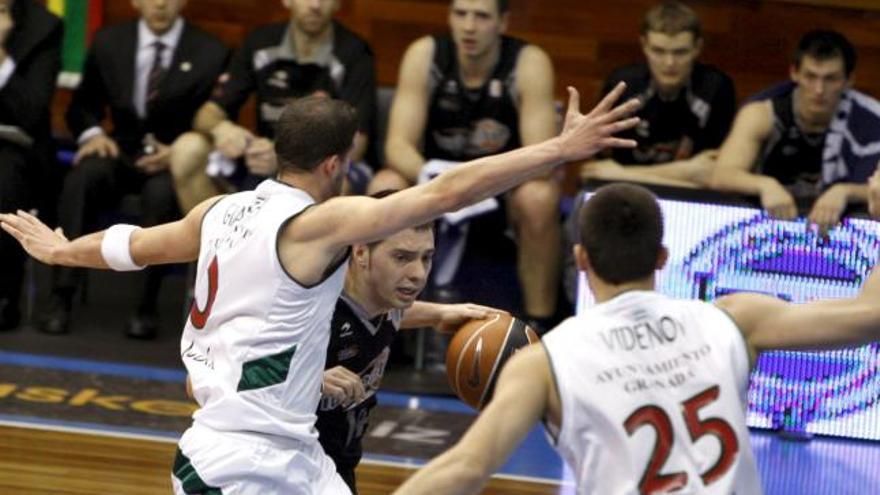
(360,255)
(662,257)
(580,257)
(329,165)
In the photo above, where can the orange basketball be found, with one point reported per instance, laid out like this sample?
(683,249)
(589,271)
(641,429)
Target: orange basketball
(478,351)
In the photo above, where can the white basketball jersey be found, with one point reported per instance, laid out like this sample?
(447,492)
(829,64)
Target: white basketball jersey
(256,340)
(653,393)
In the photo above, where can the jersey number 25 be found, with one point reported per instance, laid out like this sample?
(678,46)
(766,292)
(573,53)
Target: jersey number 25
(652,481)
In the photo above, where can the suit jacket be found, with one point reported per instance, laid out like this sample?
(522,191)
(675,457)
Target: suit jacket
(35,46)
(109,77)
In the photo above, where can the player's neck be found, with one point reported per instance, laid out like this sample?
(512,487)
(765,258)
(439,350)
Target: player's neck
(603,291)
(306,182)
(474,71)
(307,43)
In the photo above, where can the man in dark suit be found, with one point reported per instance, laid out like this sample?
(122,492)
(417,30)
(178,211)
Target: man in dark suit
(152,74)
(30,57)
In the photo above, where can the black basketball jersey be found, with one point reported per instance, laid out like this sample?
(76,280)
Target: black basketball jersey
(790,155)
(467,123)
(697,119)
(361,345)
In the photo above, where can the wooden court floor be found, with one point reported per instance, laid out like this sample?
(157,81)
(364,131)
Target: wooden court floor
(39,461)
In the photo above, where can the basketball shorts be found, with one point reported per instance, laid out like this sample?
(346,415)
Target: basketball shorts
(211,462)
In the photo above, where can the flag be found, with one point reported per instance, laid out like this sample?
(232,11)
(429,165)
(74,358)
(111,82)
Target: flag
(81,19)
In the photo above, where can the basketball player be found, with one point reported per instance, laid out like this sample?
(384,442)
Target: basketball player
(644,393)
(383,280)
(271,265)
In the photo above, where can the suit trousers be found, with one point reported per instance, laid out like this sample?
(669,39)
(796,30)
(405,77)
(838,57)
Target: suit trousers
(16,192)
(90,198)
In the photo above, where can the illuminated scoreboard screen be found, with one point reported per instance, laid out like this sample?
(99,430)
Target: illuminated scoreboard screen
(717,249)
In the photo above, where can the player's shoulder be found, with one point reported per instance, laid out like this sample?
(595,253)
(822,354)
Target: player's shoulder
(533,58)
(350,43)
(421,47)
(756,117)
(266,35)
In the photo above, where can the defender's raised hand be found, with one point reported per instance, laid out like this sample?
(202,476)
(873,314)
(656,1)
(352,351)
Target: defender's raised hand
(585,135)
(35,237)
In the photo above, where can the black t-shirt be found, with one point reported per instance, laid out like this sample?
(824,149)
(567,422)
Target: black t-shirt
(362,346)
(466,123)
(698,119)
(267,64)
(790,155)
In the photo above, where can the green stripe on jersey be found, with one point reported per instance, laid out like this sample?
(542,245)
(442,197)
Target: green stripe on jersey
(267,371)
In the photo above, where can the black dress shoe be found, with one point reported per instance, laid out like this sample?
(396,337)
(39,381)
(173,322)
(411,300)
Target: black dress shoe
(10,316)
(143,326)
(57,319)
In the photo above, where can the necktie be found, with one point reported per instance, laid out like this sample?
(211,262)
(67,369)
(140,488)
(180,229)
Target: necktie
(156,73)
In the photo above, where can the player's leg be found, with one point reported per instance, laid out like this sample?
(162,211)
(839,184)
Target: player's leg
(534,211)
(189,158)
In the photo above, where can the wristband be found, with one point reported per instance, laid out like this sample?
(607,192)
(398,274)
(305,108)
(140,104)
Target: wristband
(116,250)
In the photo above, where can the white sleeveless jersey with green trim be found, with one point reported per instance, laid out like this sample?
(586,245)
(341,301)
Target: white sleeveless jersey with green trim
(653,392)
(256,340)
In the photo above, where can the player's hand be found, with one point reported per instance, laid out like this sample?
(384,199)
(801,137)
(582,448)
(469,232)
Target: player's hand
(35,237)
(828,208)
(102,145)
(343,385)
(585,135)
(874,194)
(260,157)
(158,161)
(453,316)
(778,202)
(230,139)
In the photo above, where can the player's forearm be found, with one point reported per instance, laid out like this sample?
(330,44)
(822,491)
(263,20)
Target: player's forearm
(739,181)
(645,175)
(422,314)
(490,176)
(209,116)
(855,193)
(83,252)
(404,159)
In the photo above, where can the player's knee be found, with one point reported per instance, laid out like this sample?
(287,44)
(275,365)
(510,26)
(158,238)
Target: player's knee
(387,179)
(189,155)
(536,204)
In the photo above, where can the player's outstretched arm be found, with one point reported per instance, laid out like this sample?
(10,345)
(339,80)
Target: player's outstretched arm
(769,323)
(443,317)
(520,400)
(345,221)
(174,242)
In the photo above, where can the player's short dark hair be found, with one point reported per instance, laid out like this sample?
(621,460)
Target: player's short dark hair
(503,6)
(431,225)
(672,18)
(311,129)
(825,45)
(621,228)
